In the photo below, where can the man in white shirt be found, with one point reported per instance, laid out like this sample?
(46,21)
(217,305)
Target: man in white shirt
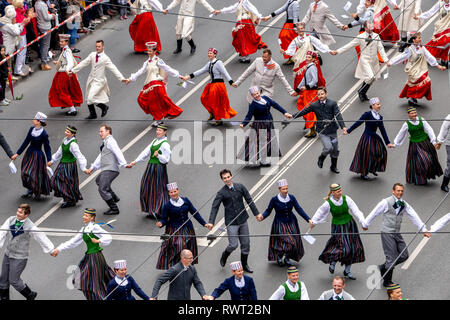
(337,293)
(444,135)
(292,289)
(394,246)
(109,160)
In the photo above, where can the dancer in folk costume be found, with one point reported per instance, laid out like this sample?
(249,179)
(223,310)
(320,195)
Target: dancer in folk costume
(287,33)
(65,91)
(422,162)
(179,228)
(120,287)
(444,136)
(94,273)
(285,241)
(245,39)
(316,16)
(153,98)
(345,245)
(34,166)
(153,193)
(407,23)
(368,67)
(143,28)
(312,79)
(382,18)
(438,46)
(292,289)
(97,90)
(298,49)
(265,70)
(185,21)
(262,141)
(65,181)
(371,154)
(418,84)
(215,97)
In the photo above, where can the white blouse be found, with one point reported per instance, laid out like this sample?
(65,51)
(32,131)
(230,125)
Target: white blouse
(324,210)
(104,237)
(160,63)
(164,157)
(401,135)
(75,150)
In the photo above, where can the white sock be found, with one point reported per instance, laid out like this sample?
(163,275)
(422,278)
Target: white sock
(72,109)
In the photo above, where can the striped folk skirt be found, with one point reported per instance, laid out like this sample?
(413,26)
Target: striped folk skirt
(95,275)
(171,248)
(370,155)
(261,142)
(344,248)
(288,244)
(65,183)
(422,163)
(34,173)
(154,189)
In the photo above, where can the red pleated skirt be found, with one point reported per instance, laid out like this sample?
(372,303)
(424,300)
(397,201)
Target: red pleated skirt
(156,102)
(143,29)
(245,40)
(421,88)
(65,91)
(443,39)
(215,99)
(304,100)
(385,26)
(287,34)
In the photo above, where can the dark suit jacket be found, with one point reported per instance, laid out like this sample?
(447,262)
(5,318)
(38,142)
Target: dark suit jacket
(247,292)
(5,146)
(180,288)
(234,204)
(329,111)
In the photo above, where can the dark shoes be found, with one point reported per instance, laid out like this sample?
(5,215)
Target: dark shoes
(71,113)
(334,165)
(244,258)
(193,46)
(331,268)
(179,45)
(67,205)
(320,161)
(113,208)
(444,186)
(92,113)
(349,275)
(28,294)
(104,109)
(223,259)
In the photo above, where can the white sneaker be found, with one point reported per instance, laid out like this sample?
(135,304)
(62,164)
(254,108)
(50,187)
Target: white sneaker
(7,100)
(4,103)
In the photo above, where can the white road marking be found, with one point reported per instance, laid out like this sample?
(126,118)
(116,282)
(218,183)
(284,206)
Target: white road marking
(415,253)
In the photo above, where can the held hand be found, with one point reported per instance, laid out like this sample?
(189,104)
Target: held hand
(288,115)
(427,234)
(124,81)
(184,78)
(333,52)
(391,145)
(88,171)
(257,21)
(437,145)
(294,94)
(206,297)
(153,298)
(55,62)
(216,12)
(354,15)
(14,157)
(365,229)
(259,217)
(54,253)
(266,18)
(344,27)
(49,164)
(127,81)
(159,224)
(282,51)
(311,225)
(241,125)
(303,88)
(95,240)
(344,130)
(209,226)
(234,85)
(130,165)
(396,7)
(442,68)
(165,11)
(388,64)
(70,73)
(416,17)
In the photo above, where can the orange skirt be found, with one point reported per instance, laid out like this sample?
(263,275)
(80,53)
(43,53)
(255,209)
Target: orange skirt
(65,91)
(215,99)
(287,34)
(421,88)
(156,102)
(304,100)
(443,39)
(143,29)
(245,40)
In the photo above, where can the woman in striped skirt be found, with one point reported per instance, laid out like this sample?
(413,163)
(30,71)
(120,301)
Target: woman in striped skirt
(422,162)
(262,142)
(289,244)
(345,245)
(371,154)
(153,193)
(179,228)
(34,165)
(94,273)
(65,181)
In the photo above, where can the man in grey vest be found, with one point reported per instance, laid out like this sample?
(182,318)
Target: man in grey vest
(181,276)
(444,135)
(232,195)
(16,233)
(109,160)
(337,293)
(394,246)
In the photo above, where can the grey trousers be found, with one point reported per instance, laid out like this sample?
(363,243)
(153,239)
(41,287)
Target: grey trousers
(11,271)
(103,181)
(330,145)
(393,245)
(447,170)
(238,232)
(44,46)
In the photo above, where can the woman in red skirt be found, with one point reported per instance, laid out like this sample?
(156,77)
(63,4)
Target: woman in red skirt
(419,83)
(215,97)
(245,39)
(441,35)
(65,91)
(153,98)
(143,28)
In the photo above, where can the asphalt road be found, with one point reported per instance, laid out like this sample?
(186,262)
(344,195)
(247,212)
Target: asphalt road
(198,177)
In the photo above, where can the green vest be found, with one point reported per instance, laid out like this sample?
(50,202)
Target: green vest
(91,247)
(289,295)
(153,148)
(67,156)
(340,213)
(417,133)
